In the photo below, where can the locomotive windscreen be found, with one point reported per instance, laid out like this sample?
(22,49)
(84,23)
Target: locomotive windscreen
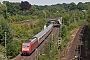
(25,45)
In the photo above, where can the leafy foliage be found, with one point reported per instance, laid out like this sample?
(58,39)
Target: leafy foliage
(25,5)
(13,48)
(5,27)
(27,30)
(65,31)
(2,8)
(88,19)
(71,13)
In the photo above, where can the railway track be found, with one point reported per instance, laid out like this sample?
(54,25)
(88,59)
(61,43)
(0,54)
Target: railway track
(40,48)
(23,58)
(74,51)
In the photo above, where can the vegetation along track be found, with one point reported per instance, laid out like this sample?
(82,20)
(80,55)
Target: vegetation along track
(76,47)
(40,48)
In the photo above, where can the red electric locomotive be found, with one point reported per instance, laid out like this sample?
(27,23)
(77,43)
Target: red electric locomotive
(29,45)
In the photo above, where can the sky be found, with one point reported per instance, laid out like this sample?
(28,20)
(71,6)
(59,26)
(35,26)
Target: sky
(47,2)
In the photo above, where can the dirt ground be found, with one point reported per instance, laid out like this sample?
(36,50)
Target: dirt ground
(76,47)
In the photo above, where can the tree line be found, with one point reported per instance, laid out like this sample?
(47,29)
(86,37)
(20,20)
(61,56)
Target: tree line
(11,12)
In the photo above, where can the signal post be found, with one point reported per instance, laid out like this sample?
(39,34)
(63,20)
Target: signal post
(59,48)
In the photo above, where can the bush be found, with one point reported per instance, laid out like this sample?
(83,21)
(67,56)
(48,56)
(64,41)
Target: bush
(13,48)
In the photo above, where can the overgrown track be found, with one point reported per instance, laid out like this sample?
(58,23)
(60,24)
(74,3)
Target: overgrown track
(40,48)
(26,21)
(76,48)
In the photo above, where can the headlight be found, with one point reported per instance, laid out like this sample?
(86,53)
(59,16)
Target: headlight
(27,49)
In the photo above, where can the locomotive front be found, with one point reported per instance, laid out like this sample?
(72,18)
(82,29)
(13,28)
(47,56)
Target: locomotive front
(26,48)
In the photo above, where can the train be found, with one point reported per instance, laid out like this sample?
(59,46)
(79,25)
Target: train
(31,44)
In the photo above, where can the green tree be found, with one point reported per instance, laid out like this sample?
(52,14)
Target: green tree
(66,18)
(12,8)
(64,31)
(13,48)
(80,6)
(88,15)
(87,5)
(5,27)
(3,9)
(72,6)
